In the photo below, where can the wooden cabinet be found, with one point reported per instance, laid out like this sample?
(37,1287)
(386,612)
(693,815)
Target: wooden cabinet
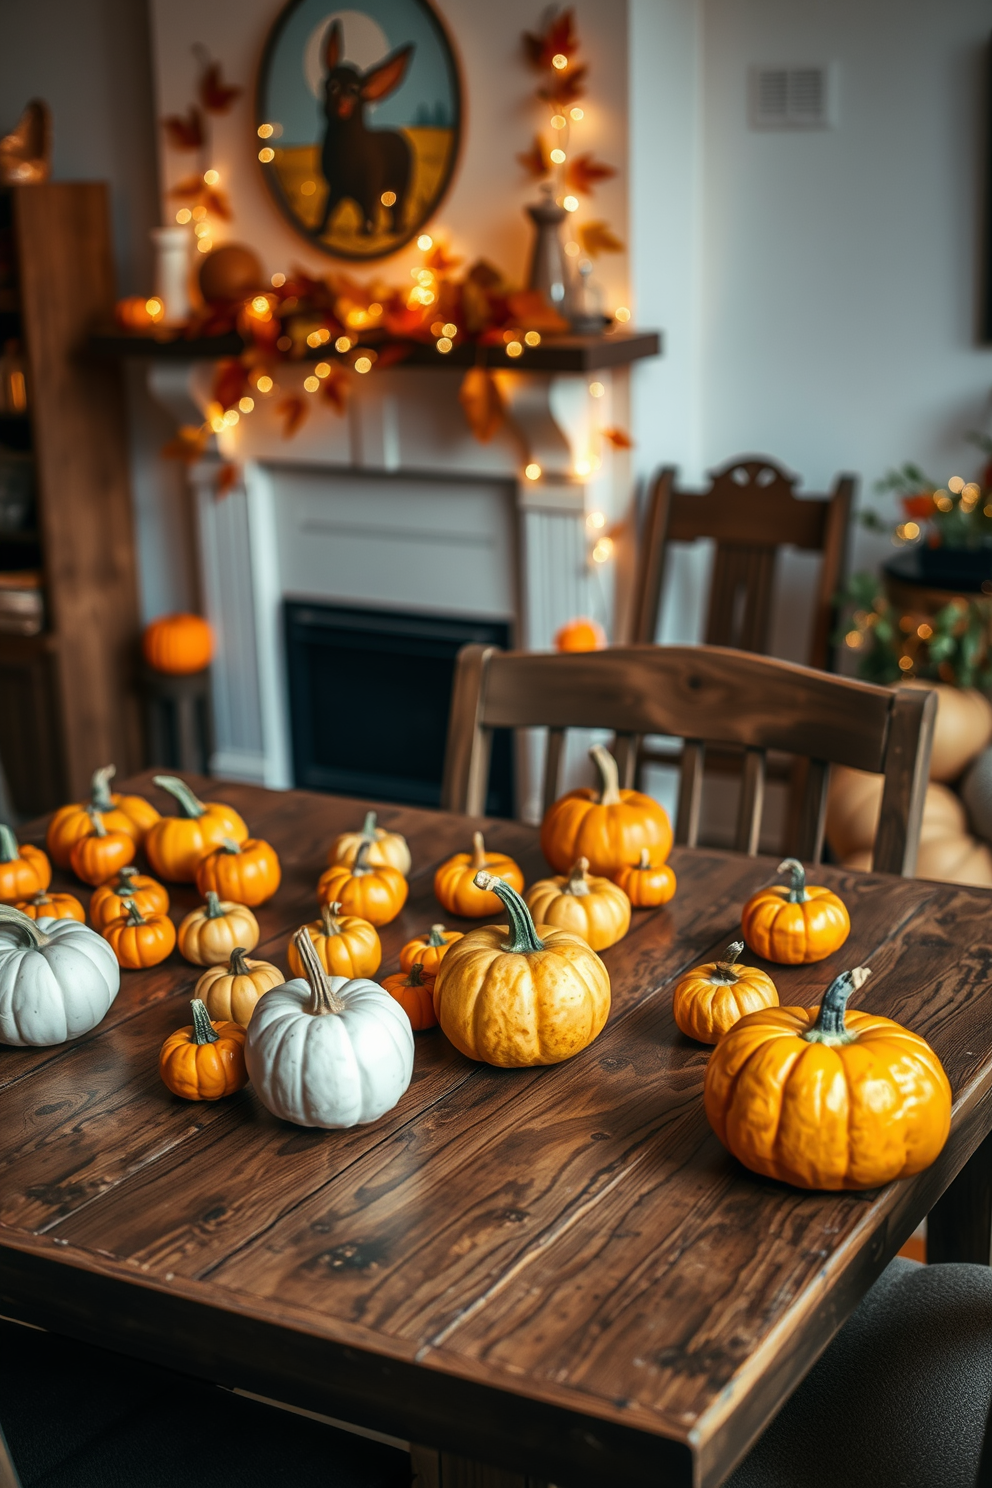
(67,696)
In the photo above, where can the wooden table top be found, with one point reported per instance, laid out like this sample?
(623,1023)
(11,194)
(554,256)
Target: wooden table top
(557,1270)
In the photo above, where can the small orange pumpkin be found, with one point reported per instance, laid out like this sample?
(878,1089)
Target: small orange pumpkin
(346,945)
(249,873)
(374,894)
(107,901)
(609,827)
(580,634)
(711,998)
(177,845)
(131,814)
(53,907)
(428,949)
(455,887)
(101,854)
(386,849)
(208,935)
(795,923)
(24,871)
(415,994)
(140,940)
(230,992)
(646,884)
(178,644)
(205,1061)
(594,908)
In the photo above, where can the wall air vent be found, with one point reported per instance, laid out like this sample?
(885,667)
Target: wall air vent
(791,98)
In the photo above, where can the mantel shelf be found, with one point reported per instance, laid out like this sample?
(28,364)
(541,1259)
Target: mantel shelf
(554,354)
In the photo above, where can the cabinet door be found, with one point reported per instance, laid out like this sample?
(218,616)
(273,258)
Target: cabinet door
(29,729)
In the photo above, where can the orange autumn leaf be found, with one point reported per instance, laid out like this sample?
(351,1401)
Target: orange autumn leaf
(217,202)
(619,438)
(292,411)
(596,238)
(189,186)
(440,261)
(188,443)
(583,173)
(532,311)
(215,95)
(227,477)
(184,133)
(558,37)
(564,88)
(481,403)
(535,160)
(336,388)
(230,382)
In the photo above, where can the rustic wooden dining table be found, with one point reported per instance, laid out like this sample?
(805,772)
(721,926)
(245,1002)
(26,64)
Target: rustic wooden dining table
(540,1275)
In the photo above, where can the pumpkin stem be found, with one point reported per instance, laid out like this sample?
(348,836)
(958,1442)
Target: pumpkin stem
(9,850)
(829,1026)
(18,921)
(478,852)
(415,976)
(361,864)
(100,788)
(96,822)
(40,899)
(323,998)
(237,964)
(229,845)
(723,970)
(436,937)
(797,890)
(134,915)
(578,879)
(645,859)
(215,910)
(524,938)
(182,793)
(204,1031)
(124,877)
(609,775)
(329,918)
(368,828)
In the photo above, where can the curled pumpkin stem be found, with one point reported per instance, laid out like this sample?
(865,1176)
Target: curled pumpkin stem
(237,963)
(96,822)
(22,924)
(609,775)
(797,889)
(725,970)
(829,1027)
(180,790)
(323,999)
(329,919)
(100,788)
(133,913)
(578,879)
(9,850)
(524,939)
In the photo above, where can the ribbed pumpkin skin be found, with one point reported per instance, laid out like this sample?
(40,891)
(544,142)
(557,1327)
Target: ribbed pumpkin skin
(416,999)
(794,934)
(204,1071)
(386,849)
(95,859)
(107,901)
(58,991)
(377,895)
(455,888)
(142,945)
(601,915)
(178,644)
(429,956)
(646,886)
(848,1116)
(209,940)
(177,845)
(355,951)
(705,1008)
(577,826)
(28,874)
(250,876)
(53,907)
(231,997)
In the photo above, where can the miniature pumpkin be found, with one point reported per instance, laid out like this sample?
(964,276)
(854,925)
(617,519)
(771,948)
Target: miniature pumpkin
(826,1099)
(23,870)
(646,884)
(131,814)
(428,949)
(506,996)
(53,907)
(55,983)
(374,894)
(346,945)
(107,901)
(208,935)
(794,923)
(249,873)
(591,907)
(456,886)
(609,827)
(713,997)
(178,644)
(326,1051)
(386,849)
(580,634)
(140,940)
(415,994)
(101,854)
(230,992)
(206,1060)
(177,845)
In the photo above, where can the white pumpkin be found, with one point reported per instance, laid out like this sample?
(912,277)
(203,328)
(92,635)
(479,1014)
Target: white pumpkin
(57,979)
(854,802)
(961,859)
(328,1051)
(962,730)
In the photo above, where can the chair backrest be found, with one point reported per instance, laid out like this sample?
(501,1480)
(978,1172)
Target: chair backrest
(751,510)
(702,694)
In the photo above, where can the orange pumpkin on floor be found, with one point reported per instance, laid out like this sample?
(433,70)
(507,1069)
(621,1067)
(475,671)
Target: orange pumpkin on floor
(53,907)
(610,826)
(177,845)
(646,884)
(24,871)
(107,901)
(455,886)
(346,945)
(373,894)
(131,814)
(249,873)
(592,907)
(428,949)
(204,1061)
(415,994)
(178,644)
(138,940)
(795,923)
(100,854)
(713,997)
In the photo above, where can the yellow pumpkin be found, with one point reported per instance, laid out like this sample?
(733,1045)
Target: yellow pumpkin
(346,945)
(610,827)
(591,907)
(131,814)
(824,1098)
(177,845)
(208,935)
(795,923)
(506,996)
(713,997)
(373,894)
(230,992)
(456,881)
(386,849)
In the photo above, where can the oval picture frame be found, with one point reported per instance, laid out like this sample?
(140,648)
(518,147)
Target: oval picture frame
(358,114)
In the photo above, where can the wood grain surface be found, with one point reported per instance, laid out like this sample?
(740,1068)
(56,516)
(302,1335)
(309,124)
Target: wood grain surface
(556,1271)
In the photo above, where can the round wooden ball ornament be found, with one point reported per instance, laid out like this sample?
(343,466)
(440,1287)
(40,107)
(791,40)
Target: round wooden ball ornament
(229,274)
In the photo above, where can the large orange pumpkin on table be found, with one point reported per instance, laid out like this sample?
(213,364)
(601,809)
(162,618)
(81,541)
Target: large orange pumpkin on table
(346,945)
(373,894)
(249,873)
(610,826)
(178,644)
(825,1098)
(131,814)
(177,845)
(24,871)
(456,884)
(795,923)
(107,901)
(204,1061)
(713,997)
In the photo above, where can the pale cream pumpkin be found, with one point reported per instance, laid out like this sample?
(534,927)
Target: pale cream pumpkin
(592,907)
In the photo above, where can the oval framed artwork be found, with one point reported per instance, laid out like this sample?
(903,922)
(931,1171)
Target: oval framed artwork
(358,116)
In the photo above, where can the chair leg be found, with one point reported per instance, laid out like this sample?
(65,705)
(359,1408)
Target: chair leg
(959,1226)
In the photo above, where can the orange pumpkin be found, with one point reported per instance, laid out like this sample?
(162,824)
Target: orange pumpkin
(178,644)
(205,1061)
(101,854)
(580,634)
(713,997)
(249,874)
(138,312)
(107,901)
(177,845)
(428,949)
(374,894)
(646,884)
(208,935)
(386,849)
(455,887)
(415,994)
(610,827)
(131,814)
(795,923)
(346,945)
(53,907)
(592,907)
(24,871)
(140,940)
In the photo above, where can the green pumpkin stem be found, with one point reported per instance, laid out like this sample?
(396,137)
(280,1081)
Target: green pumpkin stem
(797,889)
(723,972)
(361,865)
(323,998)
(369,826)
(238,963)
(22,924)
(436,937)
(524,939)
(329,918)
(182,793)
(578,879)
(829,1026)
(609,775)
(96,821)
(100,788)
(215,910)
(204,1031)
(229,845)
(9,850)
(134,915)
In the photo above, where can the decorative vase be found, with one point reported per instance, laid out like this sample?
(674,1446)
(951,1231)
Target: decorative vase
(548,265)
(587,316)
(172,272)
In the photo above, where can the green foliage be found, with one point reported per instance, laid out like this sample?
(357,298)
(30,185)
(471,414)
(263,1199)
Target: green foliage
(951,646)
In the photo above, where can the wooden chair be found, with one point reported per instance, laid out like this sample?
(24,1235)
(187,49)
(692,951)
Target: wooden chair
(704,695)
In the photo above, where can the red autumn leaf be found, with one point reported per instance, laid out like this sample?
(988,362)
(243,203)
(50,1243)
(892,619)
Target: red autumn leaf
(481,403)
(564,88)
(292,411)
(558,38)
(336,388)
(583,172)
(918,506)
(215,95)
(535,161)
(619,438)
(188,444)
(185,133)
(596,238)
(230,382)
(227,477)
(189,187)
(391,353)
(440,261)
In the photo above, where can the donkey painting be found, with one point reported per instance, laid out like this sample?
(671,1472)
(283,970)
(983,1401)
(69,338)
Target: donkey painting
(371,167)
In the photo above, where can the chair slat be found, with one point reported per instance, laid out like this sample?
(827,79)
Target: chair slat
(625,752)
(813,814)
(690,793)
(552,765)
(907,768)
(752,800)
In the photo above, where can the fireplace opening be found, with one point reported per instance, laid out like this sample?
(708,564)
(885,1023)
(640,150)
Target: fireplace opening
(370,694)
